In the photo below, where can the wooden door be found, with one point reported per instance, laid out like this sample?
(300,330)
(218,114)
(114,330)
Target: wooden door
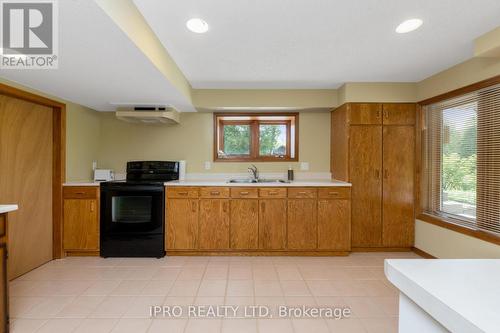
(4,283)
(26,179)
(365,164)
(398,195)
(399,114)
(182,224)
(302,227)
(334,225)
(214,224)
(244,224)
(81,224)
(272,224)
(365,113)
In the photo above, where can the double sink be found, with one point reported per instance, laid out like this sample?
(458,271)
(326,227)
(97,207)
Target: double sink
(259,180)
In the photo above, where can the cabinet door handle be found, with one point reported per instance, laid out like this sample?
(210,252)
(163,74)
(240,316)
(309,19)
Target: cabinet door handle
(224,207)
(334,193)
(386,114)
(302,192)
(193,206)
(215,193)
(92,207)
(182,193)
(273,193)
(80,193)
(244,193)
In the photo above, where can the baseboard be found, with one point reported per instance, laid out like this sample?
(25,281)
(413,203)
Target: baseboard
(381,249)
(258,253)
(82,253)
(423,253)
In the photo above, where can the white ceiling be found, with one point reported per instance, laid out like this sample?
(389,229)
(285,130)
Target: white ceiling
(316,43)
(98,65)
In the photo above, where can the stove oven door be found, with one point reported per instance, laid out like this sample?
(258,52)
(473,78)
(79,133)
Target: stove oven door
(132,209)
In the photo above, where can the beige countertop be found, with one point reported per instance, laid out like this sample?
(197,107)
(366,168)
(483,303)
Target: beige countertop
(89,183)
(8,208)
(295,183)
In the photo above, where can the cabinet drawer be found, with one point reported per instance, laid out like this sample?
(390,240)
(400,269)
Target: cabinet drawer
(244,192)
(272,192)
(302,193)
(182,192)
(214,192)
(334,193)
(80,192)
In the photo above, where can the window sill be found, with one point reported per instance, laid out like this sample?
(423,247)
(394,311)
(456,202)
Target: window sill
(260,159)
(441,222)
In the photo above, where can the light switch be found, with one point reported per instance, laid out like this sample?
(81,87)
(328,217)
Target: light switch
(208,165)
(304,166)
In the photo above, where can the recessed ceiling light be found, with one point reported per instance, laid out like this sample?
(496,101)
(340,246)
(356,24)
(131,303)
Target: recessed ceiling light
(197,25)
(409,25)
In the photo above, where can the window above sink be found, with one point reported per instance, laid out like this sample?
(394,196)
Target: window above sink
(262,137)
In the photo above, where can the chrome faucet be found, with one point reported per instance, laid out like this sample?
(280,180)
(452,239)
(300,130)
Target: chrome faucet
(254,171)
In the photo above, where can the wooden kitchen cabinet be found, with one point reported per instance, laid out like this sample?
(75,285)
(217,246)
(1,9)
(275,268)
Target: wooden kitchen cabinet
(4,283)
(334,224)
(214,224)
(398,179)
(302,227)
(376,154)
(244,224)
(182,224)
(272,224)
(80,220)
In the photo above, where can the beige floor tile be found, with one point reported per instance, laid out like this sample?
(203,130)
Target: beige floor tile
(140,307)
(185,288)
(167,326)
(348,325)
(265,272)
(380,325)
(20,306)
(288,272)
(22,325)
(96,325)
(331,301)
(203,326)
(59,325)
(240,273)
(295,288)
(390,305)
(129,325)
(157,288)
(191,273)
(21,288)
(274,326)
(239,326)
(267,288)
(212,288)
(216,272)
(300,300)
(322,288)
(167,273)
(363,307)
(179,300)
(240,288)
(112,307)
(80,307)
(48,307)
(129,288)
(310,325)
(209,300)
(377,288)
(101,288)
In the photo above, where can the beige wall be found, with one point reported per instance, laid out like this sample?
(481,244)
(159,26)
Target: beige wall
(448,244)
(192,140)
(82,135)
(390,92)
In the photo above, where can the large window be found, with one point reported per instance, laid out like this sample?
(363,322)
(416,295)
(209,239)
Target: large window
(256,137)
(461,160)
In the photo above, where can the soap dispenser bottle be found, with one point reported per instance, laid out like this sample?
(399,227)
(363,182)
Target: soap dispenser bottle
(290,173)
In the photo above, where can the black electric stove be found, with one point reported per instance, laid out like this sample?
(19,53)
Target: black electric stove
(133,210)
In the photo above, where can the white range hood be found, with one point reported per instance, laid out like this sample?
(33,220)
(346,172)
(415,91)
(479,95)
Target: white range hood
(150,115)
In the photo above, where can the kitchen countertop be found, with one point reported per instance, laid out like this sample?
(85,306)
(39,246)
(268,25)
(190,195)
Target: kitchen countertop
(8,208)
(90,183)
(223,182)
(463,295)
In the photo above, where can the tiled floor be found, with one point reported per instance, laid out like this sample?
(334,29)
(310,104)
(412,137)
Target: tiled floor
(114,295)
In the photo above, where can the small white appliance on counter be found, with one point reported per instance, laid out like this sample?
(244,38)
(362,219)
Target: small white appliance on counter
(103,175)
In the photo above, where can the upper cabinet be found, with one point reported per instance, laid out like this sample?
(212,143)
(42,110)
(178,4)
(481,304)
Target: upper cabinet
(399,114)
(365,113)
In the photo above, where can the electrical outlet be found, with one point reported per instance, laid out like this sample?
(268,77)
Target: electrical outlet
(208,165)
(304,166)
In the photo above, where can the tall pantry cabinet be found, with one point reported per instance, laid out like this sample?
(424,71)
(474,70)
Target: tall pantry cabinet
(373,147)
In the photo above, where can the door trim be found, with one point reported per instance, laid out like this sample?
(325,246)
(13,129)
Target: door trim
(58,157)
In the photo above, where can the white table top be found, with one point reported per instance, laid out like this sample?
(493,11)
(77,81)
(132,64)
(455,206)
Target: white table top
(8,208)
(223,182)
(463,295)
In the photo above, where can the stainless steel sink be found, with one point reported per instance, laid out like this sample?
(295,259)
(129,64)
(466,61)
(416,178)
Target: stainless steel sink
(250,181)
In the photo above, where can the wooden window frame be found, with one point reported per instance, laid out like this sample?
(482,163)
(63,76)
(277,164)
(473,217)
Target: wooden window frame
(437,219)
(255,123)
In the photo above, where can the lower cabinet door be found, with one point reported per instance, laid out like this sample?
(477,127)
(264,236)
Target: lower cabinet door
(4,299)
(244,224)
(182,224)
(334,225)
(302,224)
(272,224)
(81,224)
(214,224)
